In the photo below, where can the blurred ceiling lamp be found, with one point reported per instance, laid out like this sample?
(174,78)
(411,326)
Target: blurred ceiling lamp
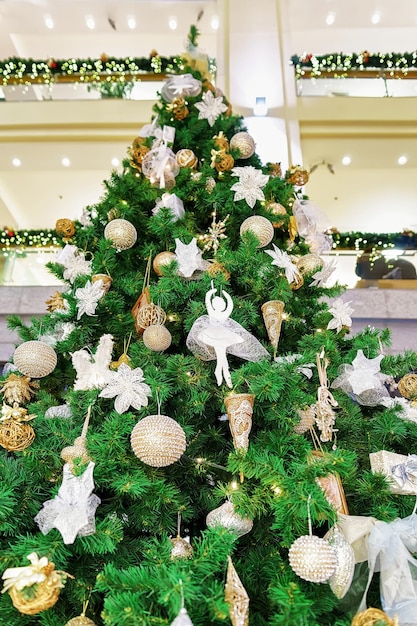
(260,109)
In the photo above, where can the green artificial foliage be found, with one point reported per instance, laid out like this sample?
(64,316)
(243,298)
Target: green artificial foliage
(121,571)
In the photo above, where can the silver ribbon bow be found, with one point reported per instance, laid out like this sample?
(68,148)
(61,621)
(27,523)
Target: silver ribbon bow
(405,472)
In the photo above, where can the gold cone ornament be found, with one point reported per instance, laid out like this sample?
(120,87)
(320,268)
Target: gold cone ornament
(272,312)
(239,409)
(18,389)
(158,440)
(226,516)
(236,597)
(35,359)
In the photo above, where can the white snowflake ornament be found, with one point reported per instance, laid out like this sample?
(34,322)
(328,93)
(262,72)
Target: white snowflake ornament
(88,297)
(341,312)
(189,258)
(250,184)
(210,107)
(127,386)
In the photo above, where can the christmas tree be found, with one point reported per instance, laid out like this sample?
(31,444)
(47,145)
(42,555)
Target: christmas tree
(191,434)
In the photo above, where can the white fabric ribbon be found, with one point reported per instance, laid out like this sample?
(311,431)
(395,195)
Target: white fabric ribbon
(311,221)
(406,472)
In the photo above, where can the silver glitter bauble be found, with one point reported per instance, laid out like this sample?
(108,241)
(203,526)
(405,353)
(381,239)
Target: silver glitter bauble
(244,143)
(312,558)
(158,440)
(35,359)
(181,548)
(226,516)
(341,579)
(261,227)
(121,233)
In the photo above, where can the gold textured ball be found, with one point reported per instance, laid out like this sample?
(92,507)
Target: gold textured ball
(224,161)
(158,440)
(186,158)
(157,337)
(81,620)
(260,227)
(309,263)
(35,359)
(105,279)
(373,617)
(16,436)
(407,386)
(244,143)
(65,227)
(307,420)
(276,209)
(226,516)
(162,260)
(121,233)
(312,558)
(181,548)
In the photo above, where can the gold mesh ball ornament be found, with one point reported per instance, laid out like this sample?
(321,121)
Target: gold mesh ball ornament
(81,620)
(162,260)
(244,143)
(222,161)
(121,233)
(261,227)
(35,359)
(65,228)
(181,548)
(297,176)
(186,158)
(407,386)
(276,209)
(312,558)
(309,263)
(157,337)
(158,440)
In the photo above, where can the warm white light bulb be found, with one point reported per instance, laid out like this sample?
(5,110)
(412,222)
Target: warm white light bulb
(376,17)
(214,22)
(131,22)
(89,20)
(330,18)
(115,162)
(16,162)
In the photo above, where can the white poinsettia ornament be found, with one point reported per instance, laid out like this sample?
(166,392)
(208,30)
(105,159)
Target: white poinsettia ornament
(341,312)
(250,184)
(127,386)
(321,277)
(283,260)
(74,262)
(210,107)
(88,297)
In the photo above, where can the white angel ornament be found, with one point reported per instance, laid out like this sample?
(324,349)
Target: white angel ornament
(215,335)
(93,370)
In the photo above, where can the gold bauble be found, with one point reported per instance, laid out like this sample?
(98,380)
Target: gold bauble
(297,176)
(121,233)
(162,260)
(81,620)
(149,314)
(105,279)
(224,162)
(309,263)
(276,209)
(260,227)
(18,389)
(157,338)
(15,436)
(226,516)
(297,283)
(181,548)
(186,158)
(35,359)
(216,268)
(244,143)
(312,558)
(407,386)
(65,228)
(158,440)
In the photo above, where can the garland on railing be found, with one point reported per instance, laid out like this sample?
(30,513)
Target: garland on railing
(390,63)
(406,240)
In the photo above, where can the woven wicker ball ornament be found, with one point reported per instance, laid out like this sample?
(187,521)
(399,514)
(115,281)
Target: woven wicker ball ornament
(35,359)
(16,436)
(373,617)
(407,386)
(161,260)
(81,620)
(186,158)
(121,233)
(244,143)
(260,227)
(157,338)
(158,440)
(150,314)
(312,558)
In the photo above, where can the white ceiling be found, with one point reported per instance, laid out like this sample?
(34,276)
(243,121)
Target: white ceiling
(41,190)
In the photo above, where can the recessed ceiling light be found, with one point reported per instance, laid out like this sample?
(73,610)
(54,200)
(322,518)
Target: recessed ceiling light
(330,18)
(131,22)
(115,162)
(173,23)
(375,19)
(346,160)
(16,162)
(214,22)
(89,20)
(65,162)
(49,22)
(402,160)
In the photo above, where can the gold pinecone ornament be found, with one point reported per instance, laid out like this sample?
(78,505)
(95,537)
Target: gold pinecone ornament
(18,389)
(158,440)
(35,359)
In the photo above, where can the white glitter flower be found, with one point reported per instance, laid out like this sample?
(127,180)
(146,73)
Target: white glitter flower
(210,107)
(341,315)
(126,384)
(249,186)
(281,259)
(88,298)
(322,276)
(76,266)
